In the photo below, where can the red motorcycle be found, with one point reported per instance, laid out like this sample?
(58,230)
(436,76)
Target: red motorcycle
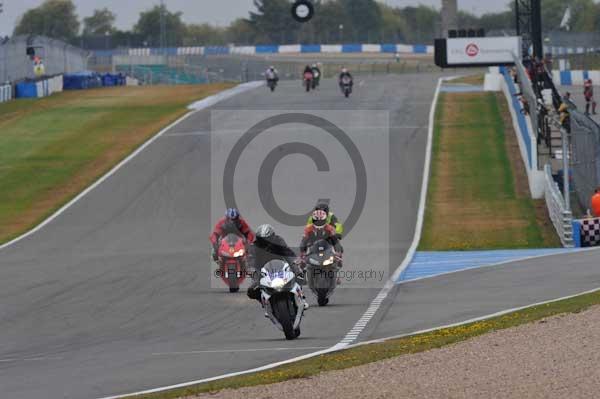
(308,78)
(232,261)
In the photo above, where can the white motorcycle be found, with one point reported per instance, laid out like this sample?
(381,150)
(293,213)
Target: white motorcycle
(281,296)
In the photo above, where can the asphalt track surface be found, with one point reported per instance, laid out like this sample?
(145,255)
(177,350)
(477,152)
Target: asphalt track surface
(113,296)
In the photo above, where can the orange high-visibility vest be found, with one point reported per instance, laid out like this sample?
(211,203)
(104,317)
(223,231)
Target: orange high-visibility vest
(596,204)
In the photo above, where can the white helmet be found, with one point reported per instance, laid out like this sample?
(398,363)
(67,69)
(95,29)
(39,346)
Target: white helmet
(265,231)
(314,65)
(344,70)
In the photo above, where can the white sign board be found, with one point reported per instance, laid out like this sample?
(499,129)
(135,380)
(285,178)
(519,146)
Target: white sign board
(483,50)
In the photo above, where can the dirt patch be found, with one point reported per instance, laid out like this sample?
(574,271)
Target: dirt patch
(476,80)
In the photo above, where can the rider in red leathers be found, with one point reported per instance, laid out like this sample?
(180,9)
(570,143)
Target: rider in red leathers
(231,223)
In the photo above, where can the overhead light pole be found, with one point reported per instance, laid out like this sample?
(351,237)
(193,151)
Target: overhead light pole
(529,25)
(163,26)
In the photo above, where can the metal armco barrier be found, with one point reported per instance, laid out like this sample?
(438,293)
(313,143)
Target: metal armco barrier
(562,219)
(5,93)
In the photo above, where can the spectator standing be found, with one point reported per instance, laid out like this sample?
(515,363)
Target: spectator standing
(596,203)
(565,117)
(588,93)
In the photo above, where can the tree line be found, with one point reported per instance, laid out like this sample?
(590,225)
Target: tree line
(335,21)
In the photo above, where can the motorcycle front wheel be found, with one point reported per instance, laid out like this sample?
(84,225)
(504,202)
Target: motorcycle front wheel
(284,312)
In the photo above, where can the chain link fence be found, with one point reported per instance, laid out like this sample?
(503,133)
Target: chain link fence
(585,157)
(169,69)
(58,57)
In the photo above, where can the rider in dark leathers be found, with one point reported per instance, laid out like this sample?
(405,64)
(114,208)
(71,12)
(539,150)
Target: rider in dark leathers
(345,73)
(266,247)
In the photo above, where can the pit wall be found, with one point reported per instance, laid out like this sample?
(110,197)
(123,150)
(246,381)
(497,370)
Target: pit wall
(525,134)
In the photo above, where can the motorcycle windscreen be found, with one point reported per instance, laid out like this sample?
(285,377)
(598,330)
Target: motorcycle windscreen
(276,268)
(321,247)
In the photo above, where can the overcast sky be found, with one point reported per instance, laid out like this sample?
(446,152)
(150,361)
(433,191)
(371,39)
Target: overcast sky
(219,12)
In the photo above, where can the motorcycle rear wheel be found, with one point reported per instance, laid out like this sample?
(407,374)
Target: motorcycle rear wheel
(322,299)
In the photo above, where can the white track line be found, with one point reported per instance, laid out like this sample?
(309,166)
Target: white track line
(376,303)
(198,106)
(473,320)
(199,352)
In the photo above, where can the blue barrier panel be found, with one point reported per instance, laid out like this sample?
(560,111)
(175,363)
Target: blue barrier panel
(267,49)
(103,53)
(388,48)
(310,48)
(351,48)
(586,75)
(26,90)
(565,78)
(216,50)
(81,80)
(109,80)
(577,233)
(420,49)
(520,117)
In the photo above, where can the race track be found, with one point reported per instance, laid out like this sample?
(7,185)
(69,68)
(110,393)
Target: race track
(114,295)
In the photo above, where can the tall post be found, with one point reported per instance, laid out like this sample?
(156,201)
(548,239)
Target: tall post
(566,171)
(163,27)
(449,16)
(536,28)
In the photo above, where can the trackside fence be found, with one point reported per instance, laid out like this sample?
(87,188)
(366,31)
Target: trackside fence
(585,156)
(562,219)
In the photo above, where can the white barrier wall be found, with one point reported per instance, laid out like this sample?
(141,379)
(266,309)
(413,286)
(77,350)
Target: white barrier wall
(5,93)
(50,86)
(526,138)
(131,81)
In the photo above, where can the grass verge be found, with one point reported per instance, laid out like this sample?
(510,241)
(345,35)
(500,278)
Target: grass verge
(52,148)
(379,351)
(477,198)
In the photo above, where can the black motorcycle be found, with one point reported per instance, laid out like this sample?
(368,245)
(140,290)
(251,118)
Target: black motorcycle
(272,84)
(322,269)
(346,86)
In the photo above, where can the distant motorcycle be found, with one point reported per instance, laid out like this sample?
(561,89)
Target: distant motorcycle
(322,267)
(281,297)
(316,79)
(308,80)
(272,84)
(232,260)
(346,86)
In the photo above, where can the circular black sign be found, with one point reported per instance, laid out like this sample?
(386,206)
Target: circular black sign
(302,10)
